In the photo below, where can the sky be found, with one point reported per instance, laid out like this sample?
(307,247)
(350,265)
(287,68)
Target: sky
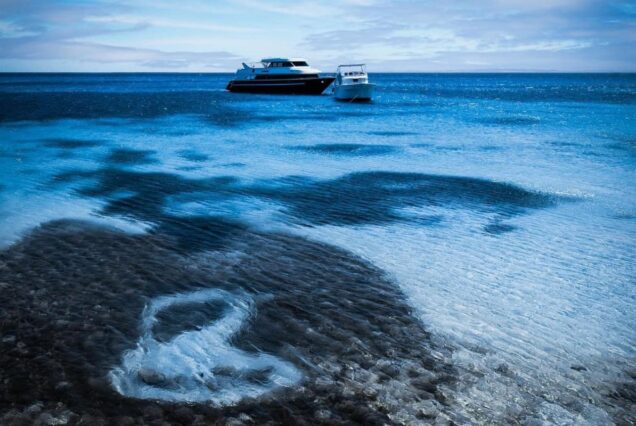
(388,35)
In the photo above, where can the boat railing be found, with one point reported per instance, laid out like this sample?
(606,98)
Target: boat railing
(252,65)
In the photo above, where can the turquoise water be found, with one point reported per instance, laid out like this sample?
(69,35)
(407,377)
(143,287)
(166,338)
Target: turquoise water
(501,209)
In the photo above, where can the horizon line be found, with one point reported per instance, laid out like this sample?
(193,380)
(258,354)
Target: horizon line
(374,72)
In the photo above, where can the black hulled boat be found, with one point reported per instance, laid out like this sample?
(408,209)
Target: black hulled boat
(279,75)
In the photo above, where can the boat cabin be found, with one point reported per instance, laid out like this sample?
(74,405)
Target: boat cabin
(277,68)
(283,63)
(351,74)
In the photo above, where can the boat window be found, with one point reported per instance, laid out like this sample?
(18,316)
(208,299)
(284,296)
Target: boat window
(300,64)
(285,76)
(286,64)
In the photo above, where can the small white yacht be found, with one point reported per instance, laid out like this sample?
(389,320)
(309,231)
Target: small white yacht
(352,83)
(279,75)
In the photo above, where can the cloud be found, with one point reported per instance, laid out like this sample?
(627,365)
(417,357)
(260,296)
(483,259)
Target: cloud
(11,30)
(566,35)
(300,8)
(462,34)
(53,21)
(144,21)
(42,32)
(431,40)
(35,48)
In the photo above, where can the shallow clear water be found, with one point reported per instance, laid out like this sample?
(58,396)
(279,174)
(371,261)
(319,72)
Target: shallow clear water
(502,208)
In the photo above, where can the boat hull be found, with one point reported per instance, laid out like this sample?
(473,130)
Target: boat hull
(305,86)
(362,92)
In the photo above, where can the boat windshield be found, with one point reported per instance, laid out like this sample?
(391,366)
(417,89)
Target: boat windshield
(300,64)
(352,70)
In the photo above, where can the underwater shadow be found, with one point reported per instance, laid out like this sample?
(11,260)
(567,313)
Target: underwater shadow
(346,149)
(354,199)
(128,156)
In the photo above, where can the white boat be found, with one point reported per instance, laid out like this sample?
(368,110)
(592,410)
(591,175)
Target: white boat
(352,83)
(279,75)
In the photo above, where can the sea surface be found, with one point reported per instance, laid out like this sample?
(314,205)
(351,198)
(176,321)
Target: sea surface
(462,249)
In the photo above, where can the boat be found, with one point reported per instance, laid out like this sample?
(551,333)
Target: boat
(352,83)
(279,75)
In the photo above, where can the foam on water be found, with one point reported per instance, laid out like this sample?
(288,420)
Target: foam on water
(200,365)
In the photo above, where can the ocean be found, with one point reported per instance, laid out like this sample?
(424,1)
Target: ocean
(460,250)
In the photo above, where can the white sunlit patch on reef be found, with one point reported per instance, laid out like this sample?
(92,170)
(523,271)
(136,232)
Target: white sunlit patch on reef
(200,365)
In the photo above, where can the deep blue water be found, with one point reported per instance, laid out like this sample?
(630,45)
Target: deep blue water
(501,209)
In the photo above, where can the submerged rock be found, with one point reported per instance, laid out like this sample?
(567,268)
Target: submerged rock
(151,377)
